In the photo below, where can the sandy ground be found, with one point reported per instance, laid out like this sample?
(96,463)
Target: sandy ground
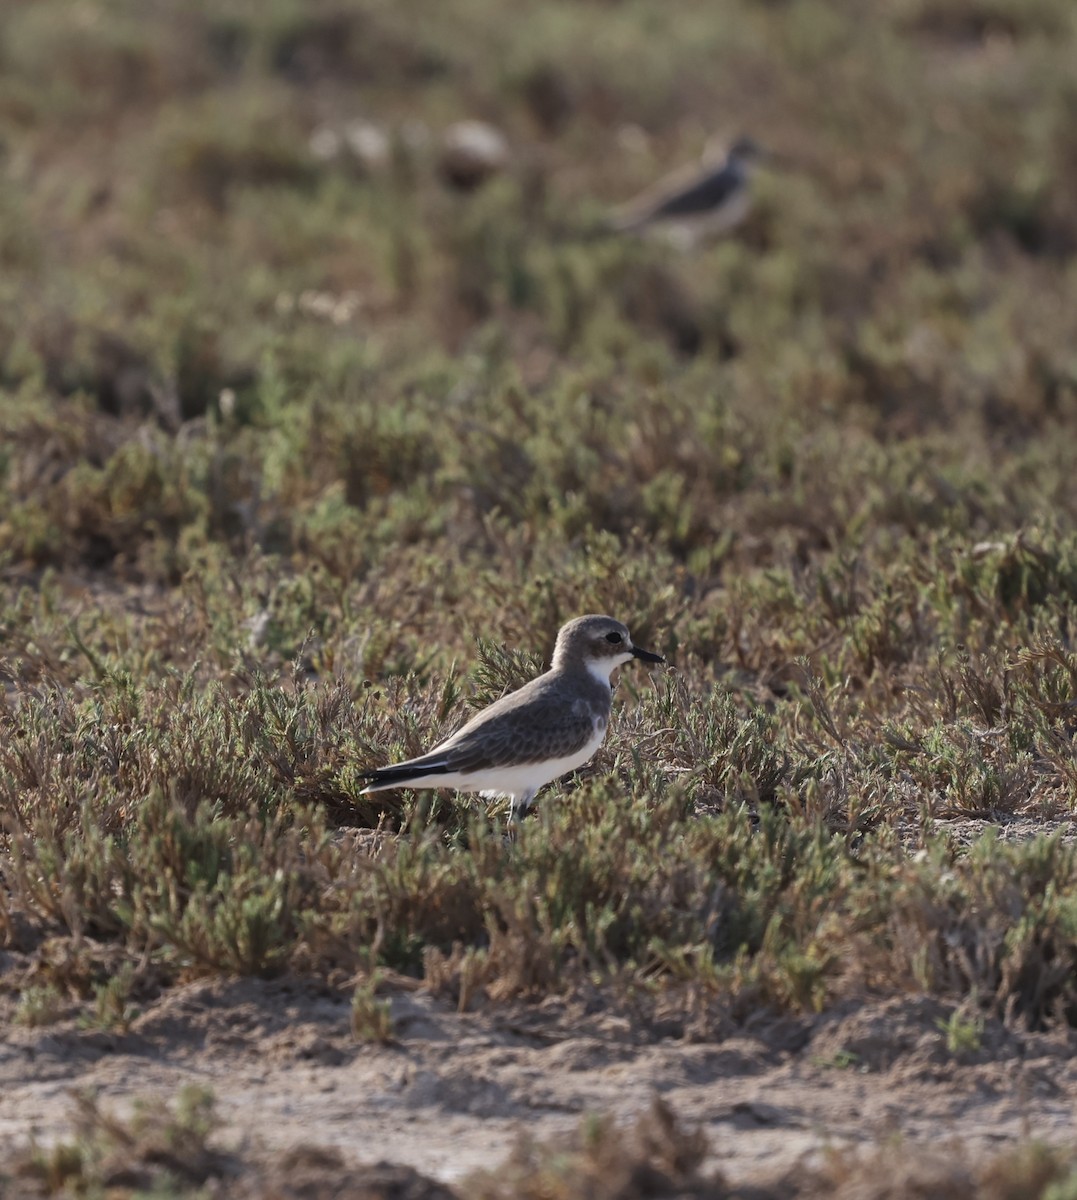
(454,1091)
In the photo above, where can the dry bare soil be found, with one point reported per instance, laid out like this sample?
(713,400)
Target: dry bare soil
(786,1103)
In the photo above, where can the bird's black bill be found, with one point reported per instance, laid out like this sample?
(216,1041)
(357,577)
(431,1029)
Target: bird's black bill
(646,655)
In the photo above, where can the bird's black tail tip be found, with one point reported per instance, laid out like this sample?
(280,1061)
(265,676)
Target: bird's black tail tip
(399,776)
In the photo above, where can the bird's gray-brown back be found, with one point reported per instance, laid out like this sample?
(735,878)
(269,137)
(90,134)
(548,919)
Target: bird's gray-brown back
(553,716)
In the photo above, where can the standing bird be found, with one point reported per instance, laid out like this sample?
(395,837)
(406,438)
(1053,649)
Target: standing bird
(547,728)
(692,205)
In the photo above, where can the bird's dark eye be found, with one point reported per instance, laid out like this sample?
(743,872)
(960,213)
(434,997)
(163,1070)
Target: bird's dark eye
(614,639)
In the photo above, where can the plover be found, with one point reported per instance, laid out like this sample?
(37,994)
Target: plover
(691,204)
(547,728)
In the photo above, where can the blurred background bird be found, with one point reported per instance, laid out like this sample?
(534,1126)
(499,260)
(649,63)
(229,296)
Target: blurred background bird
(694,205)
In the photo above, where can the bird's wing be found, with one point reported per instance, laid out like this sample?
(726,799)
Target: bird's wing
(545,728)
(504,735)
(705,195)
(681,197)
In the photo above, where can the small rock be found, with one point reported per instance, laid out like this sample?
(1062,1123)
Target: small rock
(325,144)
(471,153)
(368,144)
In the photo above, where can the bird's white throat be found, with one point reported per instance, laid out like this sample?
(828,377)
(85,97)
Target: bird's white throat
(602,669)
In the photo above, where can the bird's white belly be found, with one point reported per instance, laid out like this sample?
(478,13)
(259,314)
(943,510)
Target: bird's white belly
(523,778)
(688,231)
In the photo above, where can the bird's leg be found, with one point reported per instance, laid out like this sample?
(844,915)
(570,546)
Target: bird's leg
(520,805)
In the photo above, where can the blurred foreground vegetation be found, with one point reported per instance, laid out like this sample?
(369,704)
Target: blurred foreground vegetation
(174,1150)
(304,452)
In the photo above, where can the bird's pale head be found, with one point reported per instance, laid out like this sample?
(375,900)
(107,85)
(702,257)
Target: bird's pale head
(599,644)
(747,151)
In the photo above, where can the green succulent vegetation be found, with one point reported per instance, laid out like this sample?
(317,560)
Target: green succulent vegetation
(302,459)
(160,1150)
(371,1017)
